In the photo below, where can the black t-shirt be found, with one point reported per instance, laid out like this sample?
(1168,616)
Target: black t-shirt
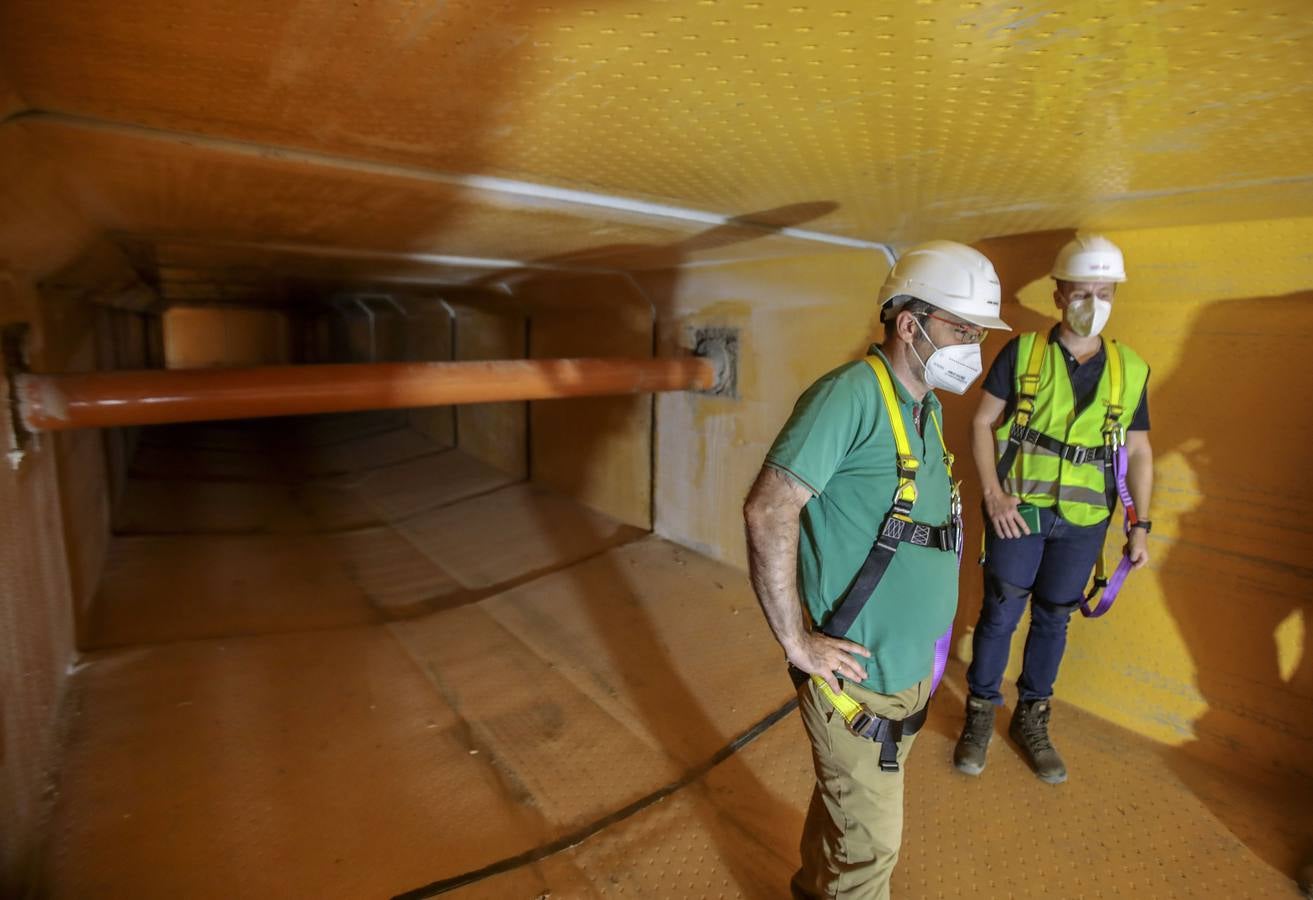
(1002,380)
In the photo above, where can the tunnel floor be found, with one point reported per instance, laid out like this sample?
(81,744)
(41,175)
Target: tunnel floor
(331,659)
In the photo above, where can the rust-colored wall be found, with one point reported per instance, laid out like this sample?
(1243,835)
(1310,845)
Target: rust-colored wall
(92,313)
(596,449)
(36,630)
(428,330)
(199,337)
(70,329)
(496,433)
(41,225)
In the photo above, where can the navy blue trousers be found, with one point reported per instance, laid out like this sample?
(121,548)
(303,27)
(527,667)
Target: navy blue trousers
(1051,569)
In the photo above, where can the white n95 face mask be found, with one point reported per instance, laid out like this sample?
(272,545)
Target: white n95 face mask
(1088,315)
(952,368)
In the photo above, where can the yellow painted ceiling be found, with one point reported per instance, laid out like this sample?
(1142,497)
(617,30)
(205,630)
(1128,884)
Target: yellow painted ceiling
(886,122)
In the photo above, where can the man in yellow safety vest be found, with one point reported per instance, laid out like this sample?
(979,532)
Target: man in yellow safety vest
(1067,401)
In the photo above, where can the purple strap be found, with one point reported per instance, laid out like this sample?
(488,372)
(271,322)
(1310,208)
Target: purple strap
(941,657)
(1114,585)
(945,641)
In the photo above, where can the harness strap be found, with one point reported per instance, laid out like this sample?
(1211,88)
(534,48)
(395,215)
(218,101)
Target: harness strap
(1112,454)
(908,464)
(1076,454)
(866,724)
(898,525)
(1027,392)
(897,528)
(1110,587)
(1114,433)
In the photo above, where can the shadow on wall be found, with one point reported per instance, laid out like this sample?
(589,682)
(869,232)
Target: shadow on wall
(671,707)
(1238,578)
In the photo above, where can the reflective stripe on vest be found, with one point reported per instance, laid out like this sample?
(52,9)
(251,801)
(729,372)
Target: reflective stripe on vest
(1041,477)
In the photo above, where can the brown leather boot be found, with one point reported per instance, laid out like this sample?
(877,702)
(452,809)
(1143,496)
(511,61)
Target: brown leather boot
(969,754)
(1030,729)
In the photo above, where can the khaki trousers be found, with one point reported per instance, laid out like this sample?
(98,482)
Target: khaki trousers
(854,825)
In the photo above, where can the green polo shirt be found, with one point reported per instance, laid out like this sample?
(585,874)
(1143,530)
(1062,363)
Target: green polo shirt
(839,444)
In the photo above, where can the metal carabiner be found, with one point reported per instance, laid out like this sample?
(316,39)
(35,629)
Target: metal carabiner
(1116,437)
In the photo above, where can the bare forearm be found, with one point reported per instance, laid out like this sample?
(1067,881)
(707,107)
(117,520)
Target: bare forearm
(982,453)
(773,566)
(773,512)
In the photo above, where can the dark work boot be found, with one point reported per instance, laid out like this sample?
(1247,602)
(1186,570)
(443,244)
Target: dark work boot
(969,754)
(1030,729)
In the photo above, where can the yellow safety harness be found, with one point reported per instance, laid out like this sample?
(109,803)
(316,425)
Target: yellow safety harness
(898,527)
(1114,433)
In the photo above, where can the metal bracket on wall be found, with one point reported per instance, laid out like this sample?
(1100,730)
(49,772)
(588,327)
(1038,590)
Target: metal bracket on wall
(721,347)
(18,440)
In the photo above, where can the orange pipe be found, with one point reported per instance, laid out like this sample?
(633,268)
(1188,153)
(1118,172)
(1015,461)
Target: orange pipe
(157,396)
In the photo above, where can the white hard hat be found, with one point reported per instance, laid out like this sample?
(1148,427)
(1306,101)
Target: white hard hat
(1089,257)
(952,276)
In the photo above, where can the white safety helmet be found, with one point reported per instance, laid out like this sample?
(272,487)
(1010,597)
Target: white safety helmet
(952,276)
(1090,257)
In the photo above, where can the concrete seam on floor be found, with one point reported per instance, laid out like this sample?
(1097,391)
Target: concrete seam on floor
(310,445)
(379,524)
(385,522)
(691,776)
(478,594)
(568,675)
(95,654)
(336,475)
(511,787)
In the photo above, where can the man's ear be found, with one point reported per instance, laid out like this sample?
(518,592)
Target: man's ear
(906,325)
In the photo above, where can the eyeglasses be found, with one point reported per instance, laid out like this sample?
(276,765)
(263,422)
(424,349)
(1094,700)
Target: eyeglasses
(966,334)
(1077,296)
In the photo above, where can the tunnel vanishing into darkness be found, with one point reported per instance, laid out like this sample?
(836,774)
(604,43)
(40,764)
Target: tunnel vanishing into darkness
(509,649)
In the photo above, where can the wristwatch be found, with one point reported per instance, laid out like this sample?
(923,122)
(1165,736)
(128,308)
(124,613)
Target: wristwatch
(1145,524)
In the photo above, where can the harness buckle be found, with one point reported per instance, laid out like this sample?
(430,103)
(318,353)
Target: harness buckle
(944,538)
(1078,454)
(1115,437)
(861,725)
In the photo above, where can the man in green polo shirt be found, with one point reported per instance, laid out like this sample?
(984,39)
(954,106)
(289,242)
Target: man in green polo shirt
(826,491)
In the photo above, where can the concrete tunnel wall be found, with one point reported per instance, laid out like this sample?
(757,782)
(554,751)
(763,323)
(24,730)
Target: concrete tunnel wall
(57,505)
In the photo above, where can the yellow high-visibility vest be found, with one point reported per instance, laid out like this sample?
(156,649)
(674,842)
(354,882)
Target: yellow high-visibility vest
(1046,408)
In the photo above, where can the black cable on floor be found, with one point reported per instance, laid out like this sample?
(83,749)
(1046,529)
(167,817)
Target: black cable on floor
(543,851)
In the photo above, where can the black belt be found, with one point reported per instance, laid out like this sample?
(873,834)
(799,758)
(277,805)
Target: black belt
(1072,453)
